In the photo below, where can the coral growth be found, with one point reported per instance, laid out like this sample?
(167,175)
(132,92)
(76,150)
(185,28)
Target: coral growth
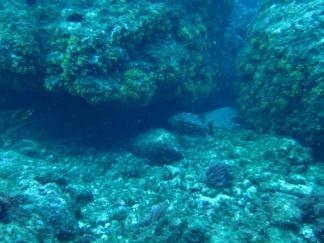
(219,175)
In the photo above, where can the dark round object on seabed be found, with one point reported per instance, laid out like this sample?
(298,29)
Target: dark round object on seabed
(219,175)
(75,18)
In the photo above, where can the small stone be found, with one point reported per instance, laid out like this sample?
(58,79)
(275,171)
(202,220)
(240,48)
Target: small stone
(298,190)
(308,233)
(251,191)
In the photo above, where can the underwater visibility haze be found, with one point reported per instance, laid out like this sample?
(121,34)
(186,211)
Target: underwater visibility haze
(190,121)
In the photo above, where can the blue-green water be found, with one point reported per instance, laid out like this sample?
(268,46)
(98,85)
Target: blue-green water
(161,121)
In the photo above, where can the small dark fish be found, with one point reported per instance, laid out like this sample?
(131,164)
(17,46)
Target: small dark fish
(22,115)
(31,2)
(75,18)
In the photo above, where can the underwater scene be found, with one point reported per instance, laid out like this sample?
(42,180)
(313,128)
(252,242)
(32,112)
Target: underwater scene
(161,121)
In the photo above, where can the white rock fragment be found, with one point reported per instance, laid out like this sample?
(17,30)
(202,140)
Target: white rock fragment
(308,233)
(298,190)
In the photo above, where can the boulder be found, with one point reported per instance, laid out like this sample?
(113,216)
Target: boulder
(159,146)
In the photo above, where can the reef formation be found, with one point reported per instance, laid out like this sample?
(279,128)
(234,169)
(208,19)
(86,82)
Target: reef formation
(132,53)
(126,121)
(282,71)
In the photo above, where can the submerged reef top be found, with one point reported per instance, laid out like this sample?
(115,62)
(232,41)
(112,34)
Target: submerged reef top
(282,71)
(126,52)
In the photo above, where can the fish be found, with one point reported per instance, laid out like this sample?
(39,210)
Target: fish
(22,115)
(75,17)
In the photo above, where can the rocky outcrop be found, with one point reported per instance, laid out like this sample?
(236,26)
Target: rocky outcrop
(126,52)
(282,71)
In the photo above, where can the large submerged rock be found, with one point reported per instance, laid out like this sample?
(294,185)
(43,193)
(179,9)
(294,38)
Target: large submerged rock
(118,52)
(159,146)
(282,70)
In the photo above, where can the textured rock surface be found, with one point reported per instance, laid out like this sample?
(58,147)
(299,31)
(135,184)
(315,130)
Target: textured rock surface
(285,211)
(282,70)
(159,146)
(125,52)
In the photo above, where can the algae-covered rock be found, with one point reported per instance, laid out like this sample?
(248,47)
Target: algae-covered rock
(20,55)
(282,70)
(126,52)
(159,146)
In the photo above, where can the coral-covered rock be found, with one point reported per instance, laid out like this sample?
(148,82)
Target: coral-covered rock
(282,70)
(159,146)
(126,52)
